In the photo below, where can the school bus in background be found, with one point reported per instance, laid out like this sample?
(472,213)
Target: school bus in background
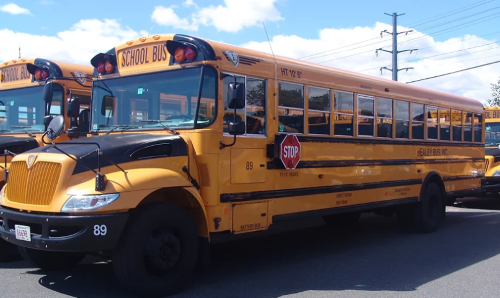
(151,191)
(492,151)
(24,112)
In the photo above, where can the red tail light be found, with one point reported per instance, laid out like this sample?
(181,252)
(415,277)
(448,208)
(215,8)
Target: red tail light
(44,74)
(104,63)
(190,54)
(100,68)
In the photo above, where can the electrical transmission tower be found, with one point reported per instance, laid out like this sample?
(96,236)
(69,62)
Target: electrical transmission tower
(394,51)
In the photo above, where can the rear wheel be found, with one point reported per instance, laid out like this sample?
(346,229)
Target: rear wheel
(342,220)
(158,253)
(50,260)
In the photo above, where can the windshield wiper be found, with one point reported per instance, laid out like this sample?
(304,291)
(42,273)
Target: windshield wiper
(23,128)
(124,127)
(164,126)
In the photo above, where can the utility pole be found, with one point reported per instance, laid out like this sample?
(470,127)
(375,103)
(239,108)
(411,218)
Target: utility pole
(394,51)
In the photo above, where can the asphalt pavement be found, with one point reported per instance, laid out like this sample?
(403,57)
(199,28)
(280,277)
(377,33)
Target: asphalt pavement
(309,259)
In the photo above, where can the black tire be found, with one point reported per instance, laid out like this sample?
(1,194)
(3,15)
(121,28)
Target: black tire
(429,210)
(342,220)
(158,251)
(50,260)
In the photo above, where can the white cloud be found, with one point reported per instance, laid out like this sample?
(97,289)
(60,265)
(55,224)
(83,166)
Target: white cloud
(233,16)
(167,17)
(472,83)
(13,8)
(77,44)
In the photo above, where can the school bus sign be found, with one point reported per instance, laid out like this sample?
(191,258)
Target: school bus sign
(290,152)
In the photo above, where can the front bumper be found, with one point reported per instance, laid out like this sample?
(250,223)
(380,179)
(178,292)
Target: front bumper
(81,233)
(491,184)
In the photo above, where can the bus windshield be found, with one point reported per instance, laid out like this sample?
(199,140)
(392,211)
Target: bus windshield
(23,109)
(155,100)
(492,134)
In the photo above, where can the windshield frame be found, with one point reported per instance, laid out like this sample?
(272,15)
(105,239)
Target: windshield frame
(488,141)
(195,125)
(57,87)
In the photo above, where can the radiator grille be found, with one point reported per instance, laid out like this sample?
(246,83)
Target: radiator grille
(35,186)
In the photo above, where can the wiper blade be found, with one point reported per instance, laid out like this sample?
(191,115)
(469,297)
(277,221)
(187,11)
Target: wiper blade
(23,128)
(124,127)
(164,126)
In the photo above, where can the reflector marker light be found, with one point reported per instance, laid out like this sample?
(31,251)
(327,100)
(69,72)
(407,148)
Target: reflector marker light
(156,37)
(142,39)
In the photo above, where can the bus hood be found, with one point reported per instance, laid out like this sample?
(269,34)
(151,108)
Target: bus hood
(118,148)
(11,143)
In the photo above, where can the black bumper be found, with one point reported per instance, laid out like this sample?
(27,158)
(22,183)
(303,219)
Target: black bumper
(64,233)
(491,184)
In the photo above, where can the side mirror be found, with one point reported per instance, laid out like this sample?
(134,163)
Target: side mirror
(47,119)
(108,103)
(48,91)
(236,129)
(73,109)
(55,127)
(236,96)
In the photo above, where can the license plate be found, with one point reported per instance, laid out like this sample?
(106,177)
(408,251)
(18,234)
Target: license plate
(23,233)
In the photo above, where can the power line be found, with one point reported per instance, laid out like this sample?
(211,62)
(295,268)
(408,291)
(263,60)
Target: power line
(445,74)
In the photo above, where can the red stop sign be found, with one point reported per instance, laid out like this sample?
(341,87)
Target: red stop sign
(290,151)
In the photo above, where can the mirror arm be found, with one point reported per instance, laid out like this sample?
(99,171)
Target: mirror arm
(222,145)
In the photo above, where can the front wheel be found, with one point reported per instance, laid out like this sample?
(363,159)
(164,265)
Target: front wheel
(430,209)
(50,260)
(158,252)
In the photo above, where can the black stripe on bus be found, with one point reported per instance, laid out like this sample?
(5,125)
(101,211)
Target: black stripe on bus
(296,192)
(376,162)
(464,193)
(461,177)
(406,142)
(344,209)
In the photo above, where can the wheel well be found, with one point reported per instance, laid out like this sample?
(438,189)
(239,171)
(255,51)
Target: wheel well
(182,198)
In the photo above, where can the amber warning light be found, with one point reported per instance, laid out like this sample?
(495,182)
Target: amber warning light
(182,52)
(40,73)
(104,63)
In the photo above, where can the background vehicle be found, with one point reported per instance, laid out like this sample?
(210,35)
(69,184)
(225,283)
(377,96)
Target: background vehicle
(492,151)
(25,110)
(152,188)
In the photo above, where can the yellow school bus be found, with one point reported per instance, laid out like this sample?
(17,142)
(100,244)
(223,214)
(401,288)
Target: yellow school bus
(172,164)
(492,157)
(25,109)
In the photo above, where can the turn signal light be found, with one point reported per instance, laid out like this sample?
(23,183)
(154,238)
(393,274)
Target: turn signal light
(104,63)
(182,51)
(41,74)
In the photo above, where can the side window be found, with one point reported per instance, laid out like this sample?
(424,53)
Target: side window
(56,107)
(256,106)
(384,117)
(417,116)
(432,123)
(344,113)
(291,108)
(456,122)
(319,110)
(444,124)
(365,115)
(229,113)
(467,127)
(254,113)
(402,119)
(478,125)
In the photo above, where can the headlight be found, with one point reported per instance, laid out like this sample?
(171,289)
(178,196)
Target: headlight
(88,202)
(496,173)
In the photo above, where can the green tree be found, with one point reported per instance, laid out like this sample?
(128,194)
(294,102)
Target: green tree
(494,101)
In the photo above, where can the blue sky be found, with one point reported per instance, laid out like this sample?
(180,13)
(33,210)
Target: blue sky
(76,30)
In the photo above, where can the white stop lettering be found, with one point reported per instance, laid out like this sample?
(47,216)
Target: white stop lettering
(290,151)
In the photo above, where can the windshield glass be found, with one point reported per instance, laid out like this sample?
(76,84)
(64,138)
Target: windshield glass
(492,134)
(155,100)
(24,109)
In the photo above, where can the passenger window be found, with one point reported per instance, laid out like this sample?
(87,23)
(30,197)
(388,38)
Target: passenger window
(291,108)
(254,114)
(478,128)
(417,116)
(344,113)
(456,122)
(468,127)
(256,106)
(432,123)
(319,110)
(402,119)
(384,117)
(444,124)
(365,115)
